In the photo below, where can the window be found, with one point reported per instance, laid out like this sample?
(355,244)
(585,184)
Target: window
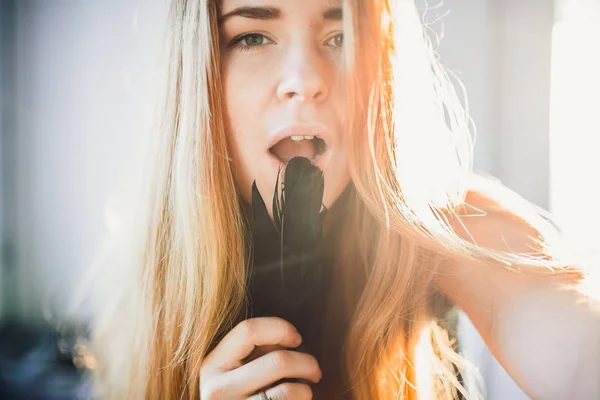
(575,119)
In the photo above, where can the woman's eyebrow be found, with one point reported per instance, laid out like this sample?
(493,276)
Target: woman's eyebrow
(333,14)
(264,13)
(270,13)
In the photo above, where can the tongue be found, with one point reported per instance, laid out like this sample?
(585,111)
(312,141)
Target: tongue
(287,149)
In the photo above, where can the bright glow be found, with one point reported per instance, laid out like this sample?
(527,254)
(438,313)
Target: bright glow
(575,122)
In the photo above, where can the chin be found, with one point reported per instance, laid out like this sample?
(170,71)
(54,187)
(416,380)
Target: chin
(335,185)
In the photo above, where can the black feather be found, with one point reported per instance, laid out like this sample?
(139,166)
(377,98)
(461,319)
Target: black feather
(301,225)
(291,272)
(290,245)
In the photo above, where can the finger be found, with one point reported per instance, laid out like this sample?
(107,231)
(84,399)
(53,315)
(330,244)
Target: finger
(261,351)
(272,367)
(241,341)
(286,391)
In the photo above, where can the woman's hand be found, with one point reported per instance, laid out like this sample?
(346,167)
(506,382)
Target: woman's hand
(226,372)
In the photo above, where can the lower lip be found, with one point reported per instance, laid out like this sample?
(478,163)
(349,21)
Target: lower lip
(321,162)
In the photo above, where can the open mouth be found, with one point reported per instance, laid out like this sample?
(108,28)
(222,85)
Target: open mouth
(311,147)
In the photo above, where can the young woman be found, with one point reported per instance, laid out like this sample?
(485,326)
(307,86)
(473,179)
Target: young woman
(355,87)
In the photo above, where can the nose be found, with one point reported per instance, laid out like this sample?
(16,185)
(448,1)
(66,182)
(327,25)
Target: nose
(304,76)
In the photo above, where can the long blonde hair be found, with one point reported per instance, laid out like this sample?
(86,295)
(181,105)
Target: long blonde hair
(182,275)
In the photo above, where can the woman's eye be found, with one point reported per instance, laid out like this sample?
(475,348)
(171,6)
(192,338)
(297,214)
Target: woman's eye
(254,40)
(248,41)
(336,41)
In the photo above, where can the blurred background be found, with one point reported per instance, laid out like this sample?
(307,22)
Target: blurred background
(76,82)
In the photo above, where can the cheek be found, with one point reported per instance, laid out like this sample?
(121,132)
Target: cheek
(243,81)
(237,99)
(245,88)
(243,125)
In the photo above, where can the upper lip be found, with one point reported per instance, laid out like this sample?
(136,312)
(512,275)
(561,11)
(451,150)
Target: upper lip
(306,129)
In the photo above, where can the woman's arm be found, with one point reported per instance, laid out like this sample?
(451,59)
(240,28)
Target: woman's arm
(546,335)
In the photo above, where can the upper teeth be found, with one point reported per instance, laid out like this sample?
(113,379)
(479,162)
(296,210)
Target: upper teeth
(297,138)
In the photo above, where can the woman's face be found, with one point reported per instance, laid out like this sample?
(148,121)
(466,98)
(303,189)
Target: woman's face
(282,71)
